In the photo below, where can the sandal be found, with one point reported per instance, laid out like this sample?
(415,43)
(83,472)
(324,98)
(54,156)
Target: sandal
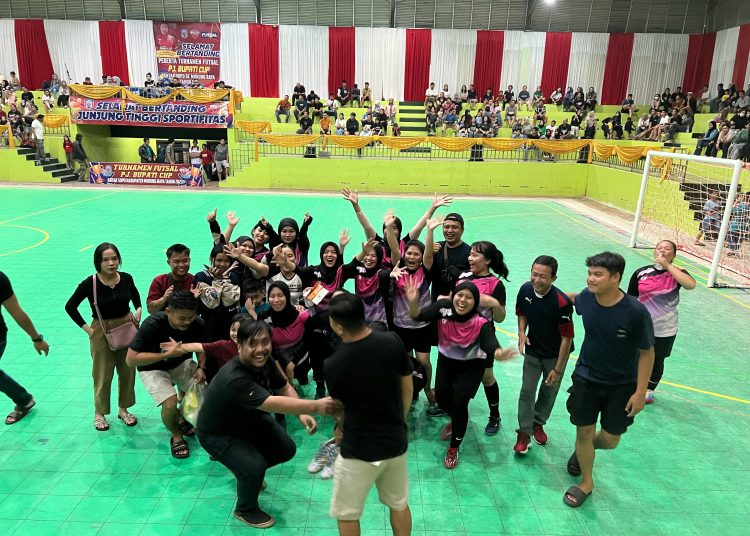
(180,448)
(575,496)
(101,424)
(19,412)
(573,468)
(186,428)
(128,418)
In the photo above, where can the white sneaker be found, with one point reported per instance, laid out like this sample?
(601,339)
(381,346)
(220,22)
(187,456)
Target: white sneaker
(321,457)
(649,396)
(327,472)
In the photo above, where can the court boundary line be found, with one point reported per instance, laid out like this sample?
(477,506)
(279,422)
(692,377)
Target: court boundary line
(45,238)
(22,216)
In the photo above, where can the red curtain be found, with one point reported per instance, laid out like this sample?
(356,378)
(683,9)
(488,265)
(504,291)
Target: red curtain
(341,48)
(740,59)
(264,60)
(556,60)
(417,70)
(34,63)
(698,65)
(114,49)
(617,68)
(488,62)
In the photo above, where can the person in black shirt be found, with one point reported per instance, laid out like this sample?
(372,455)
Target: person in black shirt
(547,313)
(352,125)
(451,257)
(20,396)
(344,94)
(612,372)
(235,424)
(305,124)
(370,374)
(163,363)
(115,291)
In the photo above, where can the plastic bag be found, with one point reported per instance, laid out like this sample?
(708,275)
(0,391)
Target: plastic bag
(192,402)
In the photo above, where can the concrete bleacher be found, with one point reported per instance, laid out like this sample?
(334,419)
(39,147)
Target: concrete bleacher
(411,119)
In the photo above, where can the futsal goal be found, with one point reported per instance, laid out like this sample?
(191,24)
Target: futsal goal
(702,205)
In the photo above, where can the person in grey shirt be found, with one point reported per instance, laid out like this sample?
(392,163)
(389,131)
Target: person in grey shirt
(221,159)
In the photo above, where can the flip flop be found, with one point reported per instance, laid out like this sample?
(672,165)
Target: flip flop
(573,467)
(19,412)
(176,446)
(575,496)
(101,424)
(129,419)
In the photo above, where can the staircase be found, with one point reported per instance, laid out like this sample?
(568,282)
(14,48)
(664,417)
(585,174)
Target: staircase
(57,169)
(696,194)
(411,118)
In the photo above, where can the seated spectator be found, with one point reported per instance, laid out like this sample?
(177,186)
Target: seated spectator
(607,128)
(675,125)
(508,96)
(26,97)
(628,105)
(488,97)
(356,96)
(708,140)
(47,101)
(579,102)
(298,90)
(63,97)
(316,108)
(366,94)
(590,132)
(538,96)
(312,96)
(517,131)
(568,99)
(738,148)
(87,81)
(106,80)
(14,84)
(450,120)
(664,121)
(431,122)
(445,90)
(557,97)
(724,139)
(352,125)
(591,99)
(430,95)
(740,119)
(448,106)
(300,107)
(540,113)
(471,97)
(552,133)
(325,125)
(282,108)
(395,130)
(678,93)
(495,122)
(391,110)
(564,130)
(616,125)
(510,112)
(54,85)
(340,125)
(666,98)
(332,106)
(629,127)
(704,97)
(344,94)
(305,124)
(463,93)
(743,100)
(526,127)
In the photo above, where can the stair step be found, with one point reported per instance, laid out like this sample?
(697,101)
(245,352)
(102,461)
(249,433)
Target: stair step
(410,110)
(25,150)
(70,177)
(54,166)
(411,119)
(61,172)
(414,129)
(411,103)
(32,155)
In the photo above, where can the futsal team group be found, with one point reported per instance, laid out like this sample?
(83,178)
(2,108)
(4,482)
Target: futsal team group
(261,315)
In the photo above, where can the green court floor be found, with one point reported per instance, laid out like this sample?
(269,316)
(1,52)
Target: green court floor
(683,468)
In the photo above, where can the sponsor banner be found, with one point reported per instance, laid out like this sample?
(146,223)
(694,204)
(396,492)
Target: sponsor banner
(146,174)
(188,52)
(170,114)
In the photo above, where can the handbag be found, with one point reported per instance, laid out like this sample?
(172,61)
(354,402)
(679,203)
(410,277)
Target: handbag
(121,336)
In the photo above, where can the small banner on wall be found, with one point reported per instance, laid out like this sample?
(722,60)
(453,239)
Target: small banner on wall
(146,174)
(188,52)
(170,114)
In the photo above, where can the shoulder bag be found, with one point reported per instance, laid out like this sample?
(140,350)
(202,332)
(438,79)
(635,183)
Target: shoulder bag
(121,336)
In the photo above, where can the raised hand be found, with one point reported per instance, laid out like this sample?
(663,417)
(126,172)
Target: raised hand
(232,218)
(232,251)
(344,238)
(389,218)
(307,217)
(434,223)
(397,272)
(211,216)
(412,292)
(441,200)
(234,265)
(350,195)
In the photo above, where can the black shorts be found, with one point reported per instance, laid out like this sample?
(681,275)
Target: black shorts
(588,399)
(464,377)
(663,346)
(415,339)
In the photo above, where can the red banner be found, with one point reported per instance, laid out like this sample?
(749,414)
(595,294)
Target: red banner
(170,114)
(146,174)
(188,52)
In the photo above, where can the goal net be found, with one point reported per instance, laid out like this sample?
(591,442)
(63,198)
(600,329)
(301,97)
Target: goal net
(702,205)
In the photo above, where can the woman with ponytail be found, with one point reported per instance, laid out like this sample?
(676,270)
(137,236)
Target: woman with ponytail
(484,258)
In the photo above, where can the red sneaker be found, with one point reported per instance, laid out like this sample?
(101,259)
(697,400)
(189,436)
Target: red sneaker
(539,436)
(446,432)
(451,459)
(522,443)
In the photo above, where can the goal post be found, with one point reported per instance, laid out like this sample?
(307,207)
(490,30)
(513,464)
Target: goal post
(687,198)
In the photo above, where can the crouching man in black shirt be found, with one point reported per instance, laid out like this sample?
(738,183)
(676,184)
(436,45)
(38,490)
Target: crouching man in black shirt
(235,424)
(370,374)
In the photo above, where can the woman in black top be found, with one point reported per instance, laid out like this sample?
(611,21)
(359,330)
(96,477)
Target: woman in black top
(115,291)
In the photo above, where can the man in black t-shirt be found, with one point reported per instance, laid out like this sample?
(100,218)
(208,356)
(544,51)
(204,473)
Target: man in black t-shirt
(547,313)
(162,363)
(613,368)
(370,374)
(451,257)
(23,400)
(235,423)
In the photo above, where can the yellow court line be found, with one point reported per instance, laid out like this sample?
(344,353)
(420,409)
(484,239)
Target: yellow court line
(85,248)
(671,384)
(58,206)
(501,215)
(598,231)
(45,237)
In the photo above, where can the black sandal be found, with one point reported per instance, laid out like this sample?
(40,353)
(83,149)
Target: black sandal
(19,412)
(179,446)
(186,428)
(573,467)
(575,496)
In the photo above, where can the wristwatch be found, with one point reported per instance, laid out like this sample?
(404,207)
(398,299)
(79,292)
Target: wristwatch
(40,338)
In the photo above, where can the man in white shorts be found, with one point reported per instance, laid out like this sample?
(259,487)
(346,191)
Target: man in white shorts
(162,363)
(221,159)
(370,374)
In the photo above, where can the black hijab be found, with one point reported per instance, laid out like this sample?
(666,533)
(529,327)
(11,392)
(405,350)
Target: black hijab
(289,314)
(327,275)
(471,287)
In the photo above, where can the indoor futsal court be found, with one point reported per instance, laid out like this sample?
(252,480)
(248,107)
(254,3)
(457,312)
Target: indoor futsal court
(682,469)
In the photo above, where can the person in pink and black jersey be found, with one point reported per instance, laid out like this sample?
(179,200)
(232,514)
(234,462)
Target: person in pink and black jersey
(371,283)
(657,286)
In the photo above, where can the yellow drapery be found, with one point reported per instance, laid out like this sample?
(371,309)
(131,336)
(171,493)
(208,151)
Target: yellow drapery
(349,142)
(56,121)
(289,140)
(7,131)
(134,97)
(253,127)
(454,144)
(202,96)
(400,143)
(96,92)
(500,144)
(560,146)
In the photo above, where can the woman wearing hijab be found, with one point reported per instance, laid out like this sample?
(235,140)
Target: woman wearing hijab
(466,340)
(371,283)
(708,140)
(290,233)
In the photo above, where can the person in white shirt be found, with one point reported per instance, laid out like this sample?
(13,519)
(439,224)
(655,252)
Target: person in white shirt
(430,95)
(37,128)
(341,125)
(391,110)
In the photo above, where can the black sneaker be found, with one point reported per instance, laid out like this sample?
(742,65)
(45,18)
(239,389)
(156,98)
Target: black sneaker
(436,411)
(493,426)
(257,519)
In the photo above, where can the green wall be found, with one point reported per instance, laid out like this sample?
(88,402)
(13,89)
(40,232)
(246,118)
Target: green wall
(614,187)
(16,168)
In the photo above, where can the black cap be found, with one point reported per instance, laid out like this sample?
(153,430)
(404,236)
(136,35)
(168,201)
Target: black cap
(455,216)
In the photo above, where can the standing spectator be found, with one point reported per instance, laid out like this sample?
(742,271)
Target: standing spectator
(715,102)
(37,128)
(194,153)
(207,159)
(149,84)
(282,108)
(79,156)
(221,159)
(22,399)
(371,375)
(68,150)
(145,152)
(169,152)
(391,110)
(344,94)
